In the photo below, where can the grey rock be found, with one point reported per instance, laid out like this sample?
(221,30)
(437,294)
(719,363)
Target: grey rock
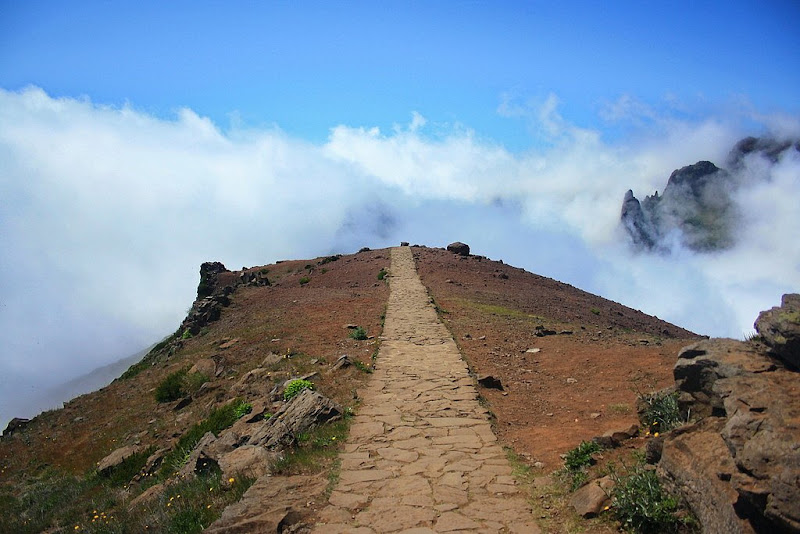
(342,362)
(113,460)
(698,202)
(780,329)
(305,411)
(268,506)
(702,364)
(590,499)
(738,467)
(15,425)
(459,248)
(762,433)
(695,464)
(490,382)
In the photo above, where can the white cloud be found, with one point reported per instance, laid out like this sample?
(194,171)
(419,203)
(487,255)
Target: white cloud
(108,212)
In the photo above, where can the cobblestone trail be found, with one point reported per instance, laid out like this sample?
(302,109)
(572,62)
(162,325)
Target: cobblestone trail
(421,456)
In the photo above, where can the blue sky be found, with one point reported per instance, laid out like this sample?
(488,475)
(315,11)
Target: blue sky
(308,66)
(138,140)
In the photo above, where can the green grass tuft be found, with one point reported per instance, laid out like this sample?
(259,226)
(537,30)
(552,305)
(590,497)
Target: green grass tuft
(358,334)
(642,506)
(294,387)
(172,388)
(577,460)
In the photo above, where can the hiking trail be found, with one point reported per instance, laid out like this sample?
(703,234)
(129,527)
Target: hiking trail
(421,456)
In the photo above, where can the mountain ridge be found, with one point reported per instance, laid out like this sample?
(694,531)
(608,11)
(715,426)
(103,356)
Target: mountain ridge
(295,319)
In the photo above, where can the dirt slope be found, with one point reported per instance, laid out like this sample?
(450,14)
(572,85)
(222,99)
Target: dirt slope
(491,309)
(494,310)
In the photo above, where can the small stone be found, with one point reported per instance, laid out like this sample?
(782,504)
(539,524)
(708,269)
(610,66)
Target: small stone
(571,380)
(490,382)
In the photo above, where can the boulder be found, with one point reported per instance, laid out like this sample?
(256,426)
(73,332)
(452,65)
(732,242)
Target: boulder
(206,366)
(490,382)
(152,464)
(254,377)
(15,425)
(268,506)
(107,464)
(305,411)
(341,362)
(247,460)
(614,438)
(201,459)
(459,248)
(593,497)
(780,329)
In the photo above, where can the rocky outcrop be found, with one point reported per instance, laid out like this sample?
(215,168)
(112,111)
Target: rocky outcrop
(113,460)
(303,412)
(209,273)
(780,329)
(462,249)
(695,463)
(15,425)
(771,149)
(254,278)
(701,365)
(270,505)
(738,464)
(697,207)
(203,312)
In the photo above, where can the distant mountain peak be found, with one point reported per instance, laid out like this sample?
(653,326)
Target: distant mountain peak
(697,207)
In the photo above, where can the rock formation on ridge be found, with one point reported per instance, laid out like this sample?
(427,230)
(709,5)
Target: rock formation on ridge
(697,208)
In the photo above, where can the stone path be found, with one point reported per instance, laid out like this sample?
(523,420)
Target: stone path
(421,456)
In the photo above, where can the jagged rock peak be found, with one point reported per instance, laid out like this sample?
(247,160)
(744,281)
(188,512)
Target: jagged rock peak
(697,204)
(770,148)
(208,278)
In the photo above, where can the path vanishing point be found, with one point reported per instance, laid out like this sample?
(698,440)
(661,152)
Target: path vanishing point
(421,456)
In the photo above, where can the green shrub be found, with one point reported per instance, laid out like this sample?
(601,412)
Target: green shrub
(172,387)
(641,504)
(661,412)
(194,381)
(595,311)
(358,334)
(129,468)
(329,259)
(296,386)
(187,334)
(577,460)
(581,456)
(242,409)
(304,280)
(382,274)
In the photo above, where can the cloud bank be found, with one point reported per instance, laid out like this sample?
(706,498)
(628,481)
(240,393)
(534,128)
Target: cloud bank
(108,212)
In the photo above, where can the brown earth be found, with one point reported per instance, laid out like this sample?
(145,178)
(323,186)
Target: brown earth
(491,309)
